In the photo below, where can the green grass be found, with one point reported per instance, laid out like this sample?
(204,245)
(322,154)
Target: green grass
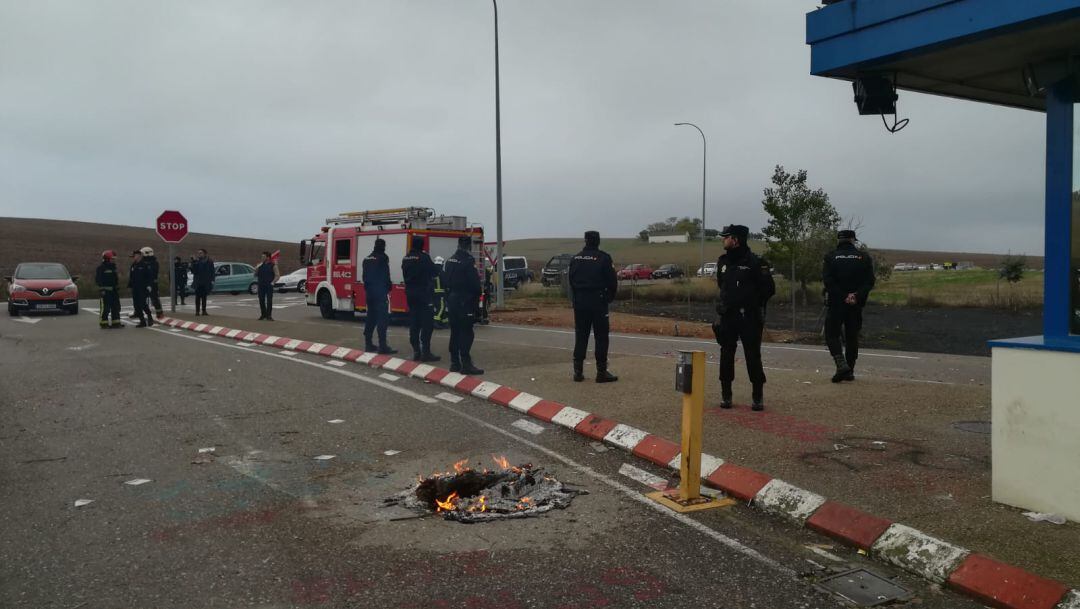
(624,251)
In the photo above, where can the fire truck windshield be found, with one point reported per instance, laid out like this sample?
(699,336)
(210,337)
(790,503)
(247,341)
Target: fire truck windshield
(314,253)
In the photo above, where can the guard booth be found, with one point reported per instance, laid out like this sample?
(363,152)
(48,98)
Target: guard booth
(1019,53)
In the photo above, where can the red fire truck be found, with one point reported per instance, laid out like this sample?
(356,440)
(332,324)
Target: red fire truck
(334,257)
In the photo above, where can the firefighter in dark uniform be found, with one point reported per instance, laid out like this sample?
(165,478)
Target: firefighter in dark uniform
(180,276)
(139,278)
(108,283)
(376,277)
(848,275)
(463,300)
(442,319)
(420,275)
(746,285)
(593,283)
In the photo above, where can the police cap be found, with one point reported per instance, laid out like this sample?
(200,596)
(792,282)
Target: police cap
(735,230)
(592,237)
(847,233)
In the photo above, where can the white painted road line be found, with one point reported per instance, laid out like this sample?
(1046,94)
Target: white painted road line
(386,376)
(642,476)
(27,320)
(449,397)
(528,426)
(286,353)
(335,362)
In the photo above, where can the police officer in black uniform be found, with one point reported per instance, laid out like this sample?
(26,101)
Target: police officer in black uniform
(848,274)
(152,263)
(463,300)
(593,283)
(746,285)
(376,269)
(420,273)
(108,283)
(266,275)
(180,277)
(139,279)
(203,273)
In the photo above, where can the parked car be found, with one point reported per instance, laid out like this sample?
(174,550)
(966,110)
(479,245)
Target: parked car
(552,272)
(668,271)
(905,266)
(232,277)
(709,270)
(635,272)
(516,271)
(42,286)
(296,280)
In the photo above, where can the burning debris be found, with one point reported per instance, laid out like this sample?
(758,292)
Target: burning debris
(478,495)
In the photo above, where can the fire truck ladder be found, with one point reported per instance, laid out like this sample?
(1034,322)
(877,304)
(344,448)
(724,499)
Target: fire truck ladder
(403,215)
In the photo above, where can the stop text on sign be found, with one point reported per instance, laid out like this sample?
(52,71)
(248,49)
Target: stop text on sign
(172,225)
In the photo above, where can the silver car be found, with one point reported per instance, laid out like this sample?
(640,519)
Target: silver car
(296,280)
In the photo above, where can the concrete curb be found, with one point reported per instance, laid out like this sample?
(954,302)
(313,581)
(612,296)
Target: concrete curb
(993,583)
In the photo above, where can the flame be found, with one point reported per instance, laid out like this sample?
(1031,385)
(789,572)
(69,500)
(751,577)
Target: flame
(480,506)
(447,504)
(502,462)
(460,465)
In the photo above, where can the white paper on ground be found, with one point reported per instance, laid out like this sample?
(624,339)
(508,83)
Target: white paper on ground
(137,481)
(1042,517)
(391,453)
(208,449)
(82,502)
(336,421)
(324,457)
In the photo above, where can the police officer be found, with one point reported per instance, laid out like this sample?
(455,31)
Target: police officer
(376,277)
(420,274)
(139,279)
(108,283)
(464,289)
(180,276)
(202,276)
(152,264)
(848,274)
(442,319)
(593,283)
(746,285)
(266,275)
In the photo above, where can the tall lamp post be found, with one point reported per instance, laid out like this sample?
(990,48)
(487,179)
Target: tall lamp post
(501,266)
(704,151)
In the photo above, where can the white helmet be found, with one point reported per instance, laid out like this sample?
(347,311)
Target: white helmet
(439,260)
(147,251)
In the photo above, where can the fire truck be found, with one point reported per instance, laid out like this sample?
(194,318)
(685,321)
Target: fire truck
(334,257)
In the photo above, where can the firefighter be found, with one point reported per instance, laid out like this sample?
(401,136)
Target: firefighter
(848,275)
(266,275)
(441,319)
(202,280)
(463,285)
(746,285)
(376,279)
(139,278)
(108,283)
(593,283)
(420,274)
(152,263)
(180,276)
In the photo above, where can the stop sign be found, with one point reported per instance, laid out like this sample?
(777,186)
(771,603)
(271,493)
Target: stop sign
(172,226)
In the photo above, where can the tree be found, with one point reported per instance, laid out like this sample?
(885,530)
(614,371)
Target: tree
(801,228)
(1011,269)
(673,225)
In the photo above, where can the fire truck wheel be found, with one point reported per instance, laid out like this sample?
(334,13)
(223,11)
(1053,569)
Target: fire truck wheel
(325,306)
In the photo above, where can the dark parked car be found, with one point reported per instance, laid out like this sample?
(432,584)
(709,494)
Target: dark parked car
(552,272)
(668,271)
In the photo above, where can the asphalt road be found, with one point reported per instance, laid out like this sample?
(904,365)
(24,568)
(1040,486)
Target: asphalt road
(260,522)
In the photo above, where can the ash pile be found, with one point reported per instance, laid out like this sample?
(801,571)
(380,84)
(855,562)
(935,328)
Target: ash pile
(471,495)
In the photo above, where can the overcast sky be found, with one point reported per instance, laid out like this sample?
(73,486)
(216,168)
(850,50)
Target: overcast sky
(261,118)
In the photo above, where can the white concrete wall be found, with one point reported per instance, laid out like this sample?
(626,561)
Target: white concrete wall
(669,239)
(1036,430)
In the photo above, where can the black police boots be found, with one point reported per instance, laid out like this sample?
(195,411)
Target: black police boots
(602,374)
(370,347)
(758,397)
(467,367)
(843,370)
(725,394)
(385,350)
(428,356)
(579,371)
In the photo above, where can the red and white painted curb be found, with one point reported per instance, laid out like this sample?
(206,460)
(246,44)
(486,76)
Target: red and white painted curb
(993,583)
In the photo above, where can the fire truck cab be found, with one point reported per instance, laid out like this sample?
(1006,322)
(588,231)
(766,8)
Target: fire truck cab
(334,257)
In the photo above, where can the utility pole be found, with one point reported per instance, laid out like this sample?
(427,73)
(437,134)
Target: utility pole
(704,165)
(501,266)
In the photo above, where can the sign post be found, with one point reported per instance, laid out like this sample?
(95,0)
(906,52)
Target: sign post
(172,227)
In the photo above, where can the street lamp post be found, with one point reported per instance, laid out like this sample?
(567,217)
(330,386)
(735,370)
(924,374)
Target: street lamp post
(501,266)
(704,152)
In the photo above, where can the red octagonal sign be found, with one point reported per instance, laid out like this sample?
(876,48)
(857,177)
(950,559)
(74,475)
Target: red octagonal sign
(172,226)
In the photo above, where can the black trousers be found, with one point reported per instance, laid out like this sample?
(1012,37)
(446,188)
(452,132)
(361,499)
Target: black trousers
(266,301)
(110,308)
(200,298)
(421,322)
(377,319)
(462,317)
(592,319)
(181,288)
(842,326)
(155,300)
(140,299)
(746,327)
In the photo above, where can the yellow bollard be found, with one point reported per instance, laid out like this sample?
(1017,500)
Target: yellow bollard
(690,381)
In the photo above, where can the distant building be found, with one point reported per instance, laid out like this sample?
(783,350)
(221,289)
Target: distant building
(669,237)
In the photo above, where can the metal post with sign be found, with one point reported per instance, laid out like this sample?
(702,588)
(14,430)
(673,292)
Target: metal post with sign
(172,227)
(690,382)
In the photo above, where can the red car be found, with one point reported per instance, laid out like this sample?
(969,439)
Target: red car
(42,286)
(636,271)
